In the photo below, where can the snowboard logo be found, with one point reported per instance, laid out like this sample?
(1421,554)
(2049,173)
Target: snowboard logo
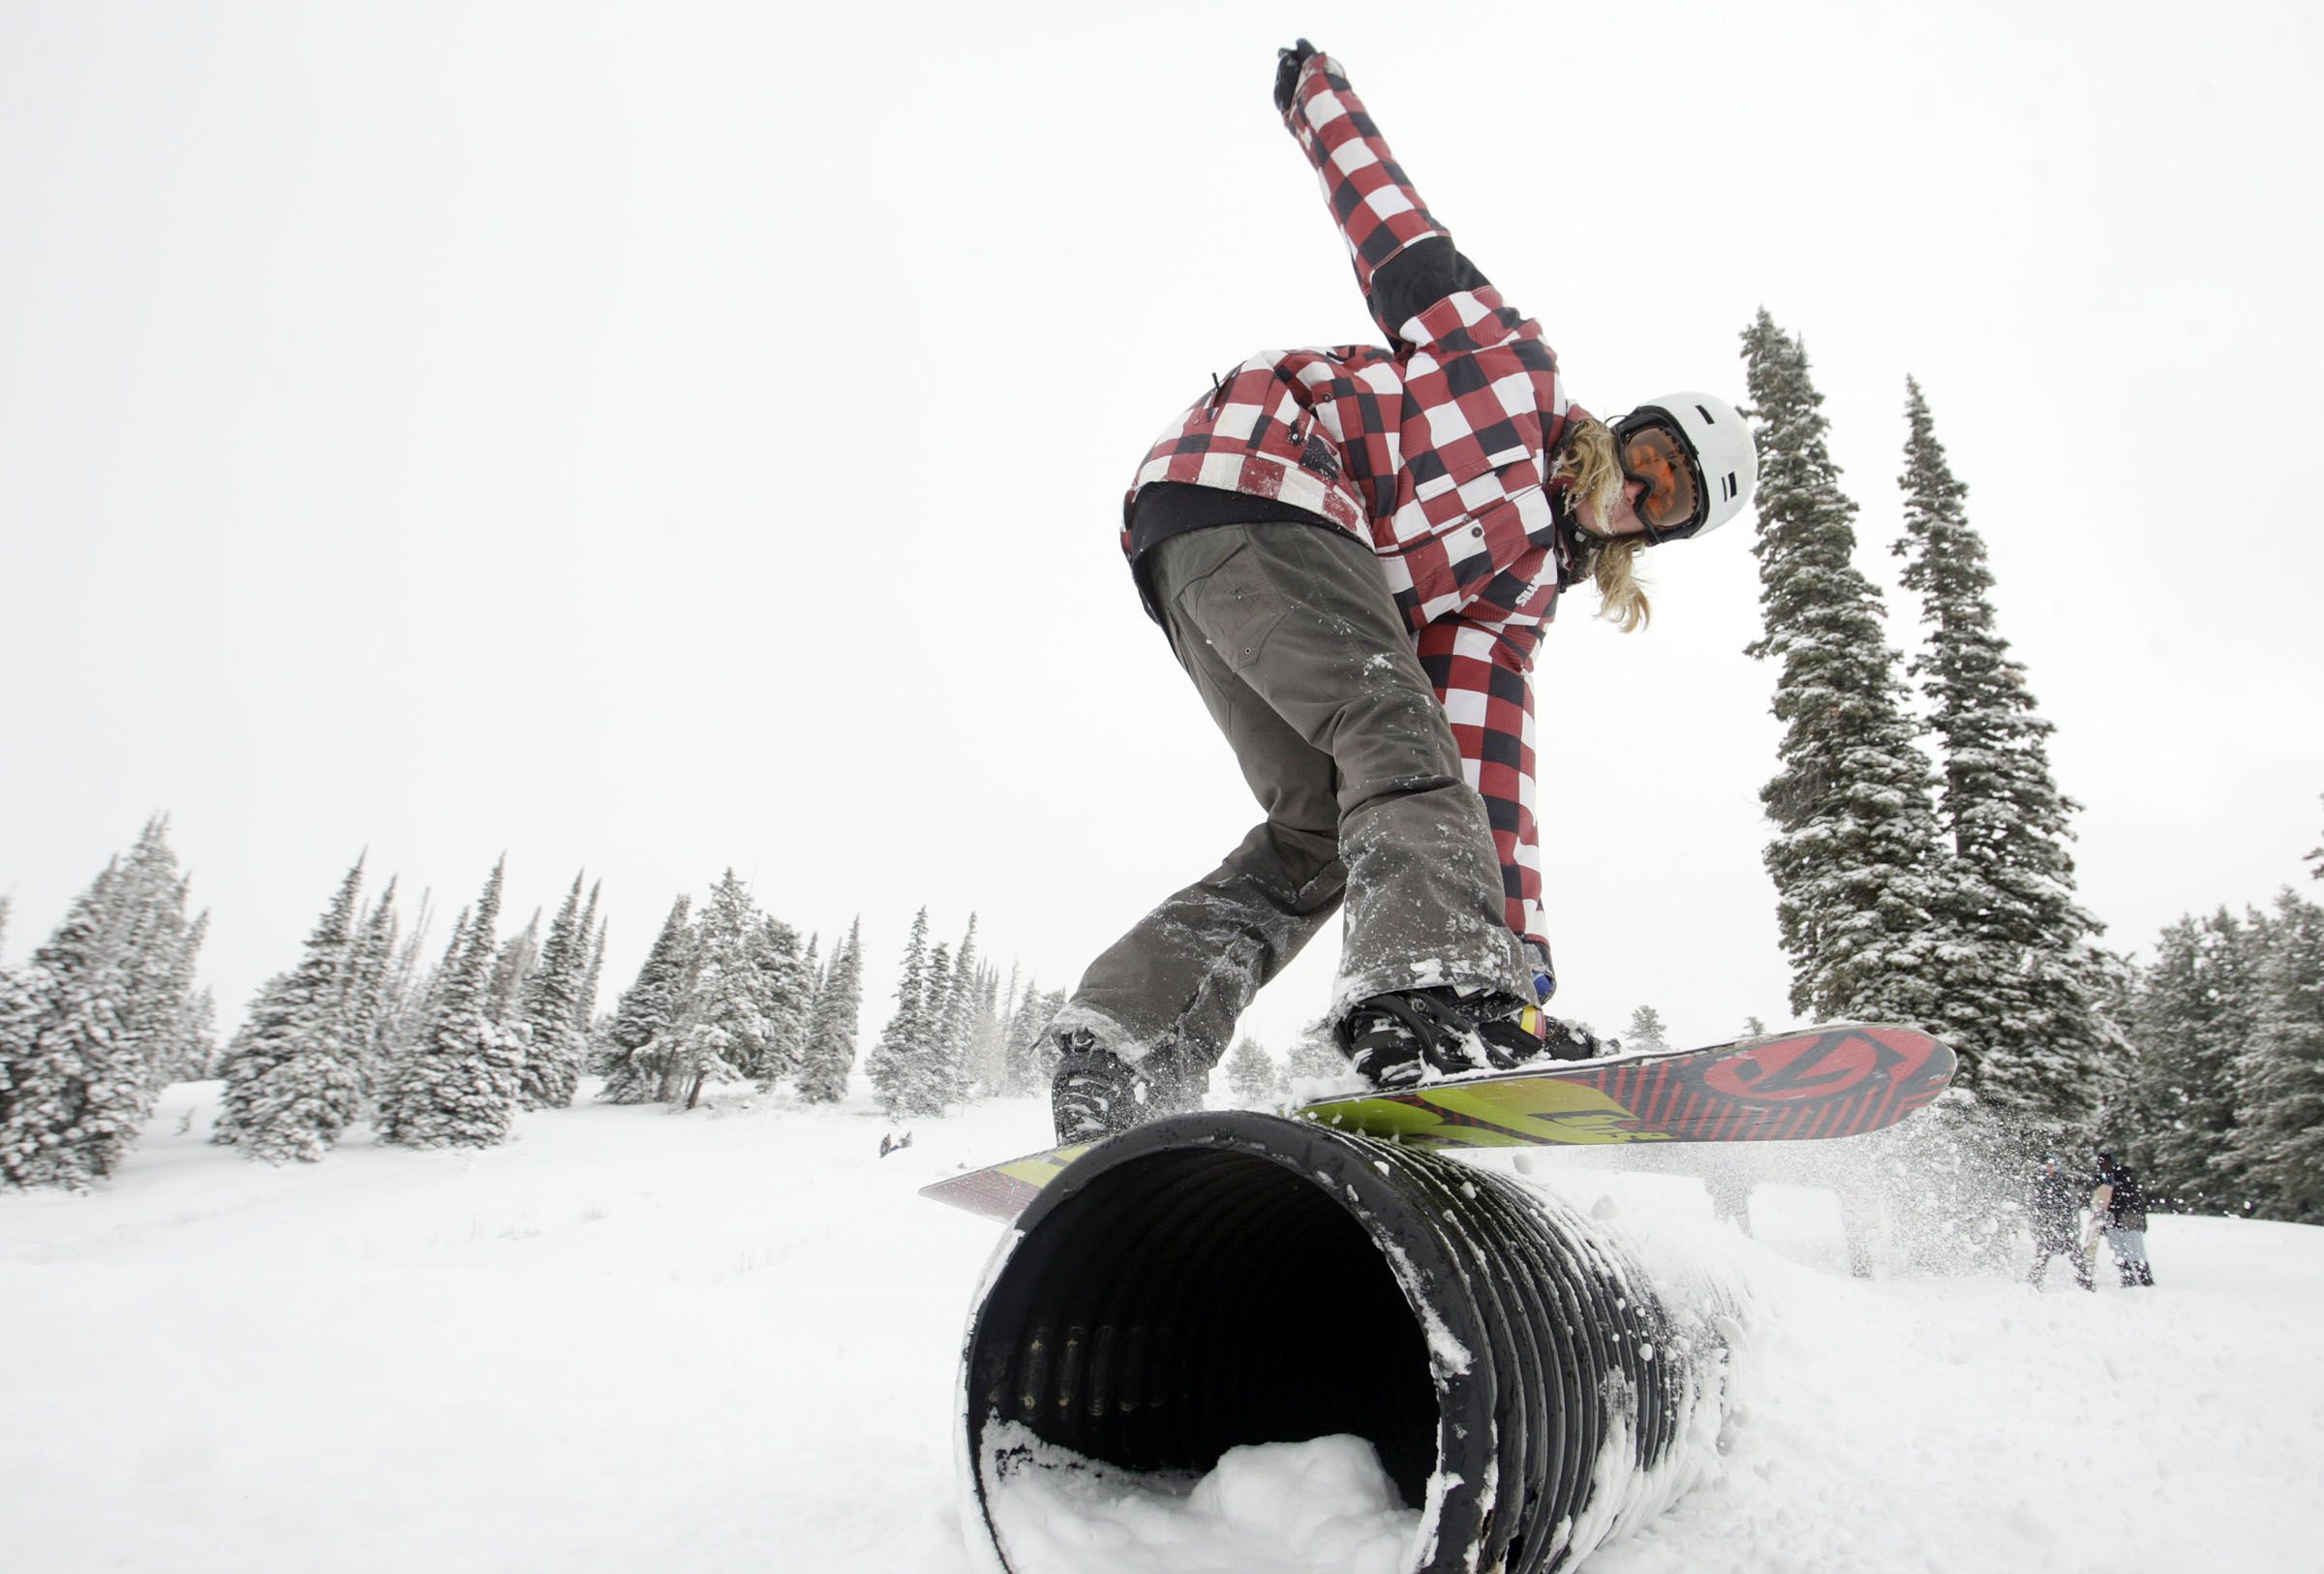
(1824,1067)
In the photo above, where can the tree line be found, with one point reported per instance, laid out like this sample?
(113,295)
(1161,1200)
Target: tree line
(1933,885)
(2221,1101)
(440,1052)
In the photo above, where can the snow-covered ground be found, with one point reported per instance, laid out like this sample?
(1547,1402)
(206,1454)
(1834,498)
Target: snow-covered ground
(637,1341)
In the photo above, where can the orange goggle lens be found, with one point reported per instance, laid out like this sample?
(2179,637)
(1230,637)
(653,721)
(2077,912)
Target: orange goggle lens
(1657,457)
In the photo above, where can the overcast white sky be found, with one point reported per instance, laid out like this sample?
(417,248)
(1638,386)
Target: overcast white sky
(659,437)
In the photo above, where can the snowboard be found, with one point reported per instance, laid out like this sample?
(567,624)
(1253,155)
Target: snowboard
(1839,1080)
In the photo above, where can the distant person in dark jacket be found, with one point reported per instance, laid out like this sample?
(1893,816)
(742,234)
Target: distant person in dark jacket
(2120,1205)
(2054,1206)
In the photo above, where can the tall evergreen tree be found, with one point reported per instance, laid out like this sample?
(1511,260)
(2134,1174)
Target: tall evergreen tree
(898,1065)
(518,957)
(548,1008)
(937,1071)
(1032,1054)
(71,1094)
(98,1023)
(295,1077)
(1856,832)
(956,1022)
(1645,1031)
(724,1030)
(641,1043)
(429,991)
(830,1053)
(368,1004)
(585,1007)
(1314,1057)
(159,952)
(2192,1015)
(201,1057)
(786,997)
(2280,1076)
(457,1086)
(2020,976)
(1251,1074)
(593,931)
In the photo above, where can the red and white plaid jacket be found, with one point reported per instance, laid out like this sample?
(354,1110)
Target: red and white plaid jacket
(1435,452)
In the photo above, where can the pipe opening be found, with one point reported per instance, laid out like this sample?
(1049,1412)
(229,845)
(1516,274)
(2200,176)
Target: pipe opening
(1191,1301)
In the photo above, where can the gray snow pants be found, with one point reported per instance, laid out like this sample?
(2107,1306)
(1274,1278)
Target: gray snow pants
(1297,647)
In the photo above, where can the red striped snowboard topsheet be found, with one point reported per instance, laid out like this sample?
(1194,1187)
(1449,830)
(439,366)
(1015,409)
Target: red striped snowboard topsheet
(1839,1080)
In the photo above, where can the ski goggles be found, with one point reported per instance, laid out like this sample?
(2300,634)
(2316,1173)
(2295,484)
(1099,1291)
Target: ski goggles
(1653,455)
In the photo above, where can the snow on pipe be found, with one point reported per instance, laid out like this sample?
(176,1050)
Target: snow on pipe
(1214,1279)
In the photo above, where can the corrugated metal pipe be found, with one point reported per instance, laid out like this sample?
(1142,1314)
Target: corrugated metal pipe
(1213,1279)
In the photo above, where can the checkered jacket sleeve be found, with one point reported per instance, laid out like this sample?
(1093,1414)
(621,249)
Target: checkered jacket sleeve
(1380,215)
(1480,673)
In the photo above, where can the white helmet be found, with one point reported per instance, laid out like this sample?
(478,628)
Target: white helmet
(1726,459)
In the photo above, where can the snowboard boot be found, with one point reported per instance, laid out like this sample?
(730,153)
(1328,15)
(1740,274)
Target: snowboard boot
(1571,1042)
(1095,1094)
(1393,1040)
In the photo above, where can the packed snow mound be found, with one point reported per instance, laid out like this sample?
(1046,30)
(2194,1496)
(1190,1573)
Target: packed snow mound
(728,1341)
(1319,1507)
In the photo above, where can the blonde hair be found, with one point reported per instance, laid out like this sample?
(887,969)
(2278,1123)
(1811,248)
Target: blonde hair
(1593,473)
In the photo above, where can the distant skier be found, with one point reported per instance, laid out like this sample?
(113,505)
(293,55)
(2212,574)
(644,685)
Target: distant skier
(2120,1204)
(1354,553)
(2055,1205)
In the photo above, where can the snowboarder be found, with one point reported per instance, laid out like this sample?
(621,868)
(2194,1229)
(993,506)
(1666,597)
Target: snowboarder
(2055,1205)
(1354,553)
(2120,1205)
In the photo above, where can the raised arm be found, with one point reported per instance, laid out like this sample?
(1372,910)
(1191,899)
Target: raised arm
(1404,259)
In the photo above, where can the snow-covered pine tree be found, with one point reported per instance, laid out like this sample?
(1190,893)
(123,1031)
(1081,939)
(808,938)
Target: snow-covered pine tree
(548,1009)
(1753,1027)
(1645,1031)
(160,947)
(2021,974)
(786,997)
(426,1000)
(1314,1057)
(936,1075)
(199,1057)
(295,1076)
(406,985)
(896,1064)
(367,1005)
(1032,1054)
(641,1041)
(593,928)
(2190,1016)
(955,1025)
(517,959)
(185,1030)
(723,1032)
(2280,1077)
(1856,832)
(1251,1074)
(71,1095)
(829,1053)
(988,1036)
(457,1086)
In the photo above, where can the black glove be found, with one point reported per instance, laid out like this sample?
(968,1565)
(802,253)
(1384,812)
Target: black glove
(1287,72)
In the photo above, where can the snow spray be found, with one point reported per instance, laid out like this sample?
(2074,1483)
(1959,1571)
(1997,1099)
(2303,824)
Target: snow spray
(1212,1280)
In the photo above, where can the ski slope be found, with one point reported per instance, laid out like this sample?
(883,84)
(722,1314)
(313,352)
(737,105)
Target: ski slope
(633,1340)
